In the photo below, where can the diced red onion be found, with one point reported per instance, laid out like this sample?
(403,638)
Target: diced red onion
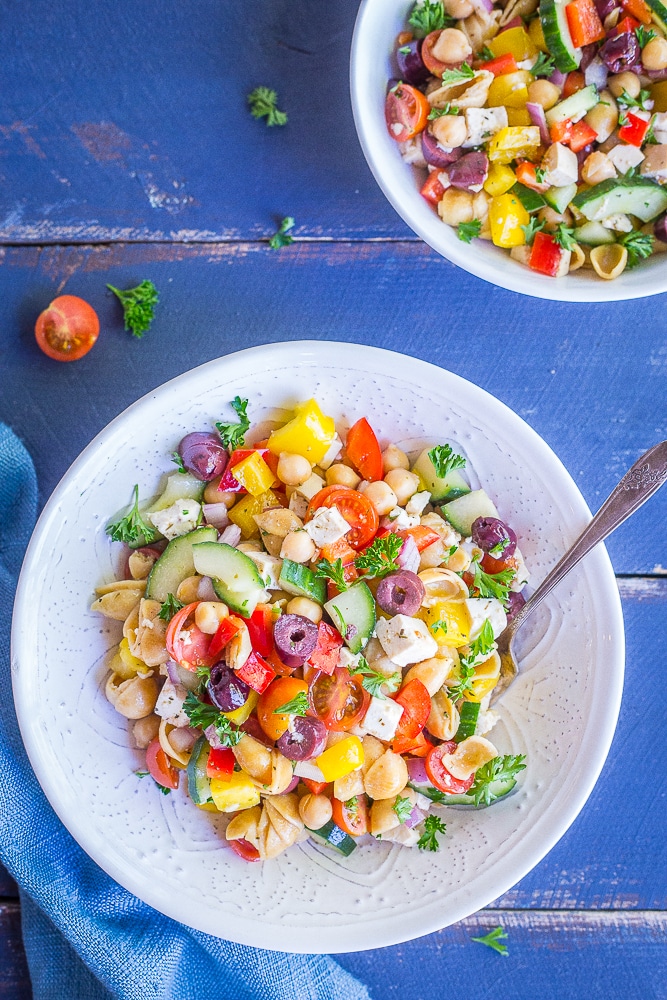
(417,771)
(486,6)
(231,535)
(211,735)
(172,672)
(539,118)
(408,557)
(557,78)
(516,22)
(416,816)
(205,591)
(596,73)
(656,74)
(216,514)
(181,677)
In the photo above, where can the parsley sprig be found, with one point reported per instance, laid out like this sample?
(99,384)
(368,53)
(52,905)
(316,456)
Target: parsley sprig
(564,237)
(379,559)
(626,101)
(644,35)
(169,608)
(443,457)
(282,237)
(501,768)
(202,716)
(493,940)
(297,706)
(468,231)
(138,306)
(429,16)
(534,226)
(233,435)
(373,680)
(428,841)
(446,109)
(480,647)
(543,65)
(403,808)
(131,528)
(466,676)
(334,571)
(439,626)
(466,72)
(639,245)
(262,101)
(492,584)
(177,460)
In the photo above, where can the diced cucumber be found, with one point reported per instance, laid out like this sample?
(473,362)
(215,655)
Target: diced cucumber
(462,512)
(468,715)
(531,200)
(557,35)
(299,580)
(176,563)
(179,486)
(199,786)
(560,197)
(593,234)
(441,488)
(333,836)
(635,195)
(498,789)
(574,107)
(354,607)
(659,13)
(235,577)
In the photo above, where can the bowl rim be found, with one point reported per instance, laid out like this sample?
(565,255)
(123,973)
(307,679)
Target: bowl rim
(386,930)
(409,206)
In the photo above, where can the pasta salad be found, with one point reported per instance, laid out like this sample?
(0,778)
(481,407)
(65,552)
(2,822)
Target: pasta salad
(308,634)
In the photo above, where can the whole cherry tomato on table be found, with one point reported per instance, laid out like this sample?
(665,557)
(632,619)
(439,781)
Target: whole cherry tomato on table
(67,329)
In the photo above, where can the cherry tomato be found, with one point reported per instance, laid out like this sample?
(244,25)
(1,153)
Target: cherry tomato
(416,702)
(158,764)
(432,64)
(353,819)
(357,510)
(278,693)
(67,329)
(406,112)
(339,700)
(244,849)
(491,565)
(363,451)
(440,776)
(186,643)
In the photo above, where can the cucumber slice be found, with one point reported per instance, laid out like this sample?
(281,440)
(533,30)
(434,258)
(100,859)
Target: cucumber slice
(299,580)
(593,234)
(199,786)
(659,12)
(635,195)
(469,713)
(448,488)
(557,35)
(498,789)
(574,107)
(235,578)
(176,563)
(355,607)
(560,197)
(333,836)
(462,512)
(531,200)
(179,486)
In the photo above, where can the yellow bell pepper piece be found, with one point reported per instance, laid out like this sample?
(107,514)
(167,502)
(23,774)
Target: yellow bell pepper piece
(242,714)
(536,35)
(341,758)
(125,664)
(254,474)
(242,512)
(506,217)
(240,792)
(500,179)
(513,141)
(310,433)
(448,622)
(515,42)
(487,675)
(518,116)
(510,90)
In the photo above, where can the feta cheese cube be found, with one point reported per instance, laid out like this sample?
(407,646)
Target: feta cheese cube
(311,486)
(417,502)
(327,526)
(522,573)
(660,126)
(268,567)
(412,153)
(382,718)
(482,123)
(347,659)
(481,608)
(625,158)
(169,705)
(405,640)
(183,516)
(403,835)
(332,453)
(561,165)
(298,505)
(655,163)
(619,222)
(400,518)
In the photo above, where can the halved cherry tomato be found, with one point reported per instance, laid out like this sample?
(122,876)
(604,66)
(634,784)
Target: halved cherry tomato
(67,329)
(432,64)
(158,764)
(244,849)
(357,510)
(186,643)
(491,565)
(406,112)
(351,816)
(316,787)
(339,700)
(363,450)
(416,702)
(440,776)
(279,692)
(220,763)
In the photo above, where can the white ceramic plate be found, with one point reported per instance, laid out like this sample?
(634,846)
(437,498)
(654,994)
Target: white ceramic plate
(561,711)
(378,24)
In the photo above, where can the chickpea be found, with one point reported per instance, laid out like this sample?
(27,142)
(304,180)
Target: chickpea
(604,116)
(626,81)
(188,590)
(135,698)
(213,495)
(182,739)
(450,130)
(394,458)
(141,562)
(315,811)
(456,206)
(209,614)
(403,483)
(433,555)
(552,218)
(298,546)
(654,54)
(145,730)
(293,469)
(597,167)
(342,475)
(451,46)
(305,607)
(381,496)
(459,8)
(544,92)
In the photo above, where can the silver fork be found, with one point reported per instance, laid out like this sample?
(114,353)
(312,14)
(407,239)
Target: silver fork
(645,477)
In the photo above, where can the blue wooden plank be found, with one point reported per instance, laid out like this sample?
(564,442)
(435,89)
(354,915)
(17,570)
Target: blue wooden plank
(14,978)
(8,888)
(161,144)
(591,380)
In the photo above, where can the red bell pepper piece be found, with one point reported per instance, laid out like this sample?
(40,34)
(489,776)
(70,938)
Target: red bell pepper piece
(581,135)
(421,534)
(226,632)
(220,763)
(545,255)
(574,81)
(363,450)
(634,132)
(418,747)
(325,655)
(526,173)
(627,26)
(228,484)
(316,787)
(260,626)
(256,672)
(638,9)
(561,131)
(432,189)
(501,65)
(584,22)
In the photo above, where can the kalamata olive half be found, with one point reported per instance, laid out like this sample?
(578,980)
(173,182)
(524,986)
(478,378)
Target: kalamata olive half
(620,52)
(203,455)
(411,68)
(295,637)
(493,536)
(434,154)
(515,602)
(400,593)
(226,689)
(304,739)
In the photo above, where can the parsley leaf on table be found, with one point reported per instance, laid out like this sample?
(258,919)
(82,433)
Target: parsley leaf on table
(169,608)
(334,571)
(262,101)
(443,457)
(501,768)
(202,716)
(232,435)
(138,306)
(493,940)
(282,238)
(428,841)
(379,559)
(130,528)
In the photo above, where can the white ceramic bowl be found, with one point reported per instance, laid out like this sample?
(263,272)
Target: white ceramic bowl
(561,711)
(378,24)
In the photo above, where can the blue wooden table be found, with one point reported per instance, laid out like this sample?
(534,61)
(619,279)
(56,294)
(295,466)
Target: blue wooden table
(127,152)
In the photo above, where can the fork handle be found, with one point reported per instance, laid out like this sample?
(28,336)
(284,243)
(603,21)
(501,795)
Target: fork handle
(638,484)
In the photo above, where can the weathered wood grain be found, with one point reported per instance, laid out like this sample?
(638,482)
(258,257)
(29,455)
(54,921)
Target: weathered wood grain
(14,978)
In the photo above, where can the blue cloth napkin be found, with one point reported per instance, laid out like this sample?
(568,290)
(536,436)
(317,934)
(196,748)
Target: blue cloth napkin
(87,938)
